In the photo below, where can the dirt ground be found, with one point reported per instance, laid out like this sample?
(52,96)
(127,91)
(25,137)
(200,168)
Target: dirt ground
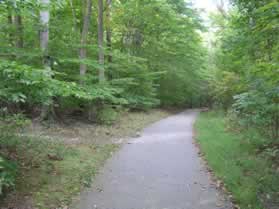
(73,131)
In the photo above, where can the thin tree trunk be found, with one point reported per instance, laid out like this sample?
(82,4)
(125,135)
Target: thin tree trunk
(84,34)
(44,40)
(108,30)
(44,32)
(101,41)
(108,38)
(19,30)
(10,24)
(74,16)
(221,8)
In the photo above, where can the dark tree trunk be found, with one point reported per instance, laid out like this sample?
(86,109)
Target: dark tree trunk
(10,24)
(19,30)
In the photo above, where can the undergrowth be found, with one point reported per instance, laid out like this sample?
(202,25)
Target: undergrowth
(50,172)
(237,158)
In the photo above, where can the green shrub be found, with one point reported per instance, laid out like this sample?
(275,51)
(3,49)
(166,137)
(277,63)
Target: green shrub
(141,102)
(259,107)
(239,159)
(23,84)
(9,126)
(7,175)
(107,115)
(12,124)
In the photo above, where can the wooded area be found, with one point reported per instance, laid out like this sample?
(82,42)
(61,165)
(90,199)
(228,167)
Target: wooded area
(245,69)
(93,58)
(91,54)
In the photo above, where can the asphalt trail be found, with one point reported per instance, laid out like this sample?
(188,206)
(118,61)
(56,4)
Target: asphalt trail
(160,169)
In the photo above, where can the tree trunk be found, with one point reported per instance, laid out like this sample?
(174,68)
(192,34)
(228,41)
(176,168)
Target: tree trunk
(108,38)
(44,32)
(74,16)
(44,39)
(19,30)
(101,41)
(108,30)
(84,34)
(221,8)
(10,24)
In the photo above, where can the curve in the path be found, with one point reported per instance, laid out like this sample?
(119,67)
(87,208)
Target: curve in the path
(159,170)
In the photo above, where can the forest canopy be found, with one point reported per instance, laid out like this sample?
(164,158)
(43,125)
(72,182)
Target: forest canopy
(82,55)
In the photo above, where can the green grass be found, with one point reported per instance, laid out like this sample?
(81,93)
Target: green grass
(70,175)
(51,183)
(234,159)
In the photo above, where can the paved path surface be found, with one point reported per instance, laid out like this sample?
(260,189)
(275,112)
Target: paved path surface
(159,170)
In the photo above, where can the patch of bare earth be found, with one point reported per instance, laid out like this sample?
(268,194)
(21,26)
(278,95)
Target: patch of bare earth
(73,131)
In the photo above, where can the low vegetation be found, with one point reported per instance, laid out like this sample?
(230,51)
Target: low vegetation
(243,159)
(48,171)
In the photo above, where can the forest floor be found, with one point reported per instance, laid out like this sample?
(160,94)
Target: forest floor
(58,160)
(242,160)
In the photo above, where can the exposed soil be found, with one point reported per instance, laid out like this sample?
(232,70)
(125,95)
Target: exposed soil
(74,131)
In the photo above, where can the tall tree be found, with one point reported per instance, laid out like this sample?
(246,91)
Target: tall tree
(108,29)
(75,25)
(18,25)
(221,8)
(44,41)
(19,30)
(44,31)
(84,34)
(101,41)
(10,23)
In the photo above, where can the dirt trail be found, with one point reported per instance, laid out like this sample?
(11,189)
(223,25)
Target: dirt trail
(160,169)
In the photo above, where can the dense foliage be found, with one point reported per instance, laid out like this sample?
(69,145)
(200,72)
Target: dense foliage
(9,125)
(236,161)
(150,53)
(7,175)
(246,76)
